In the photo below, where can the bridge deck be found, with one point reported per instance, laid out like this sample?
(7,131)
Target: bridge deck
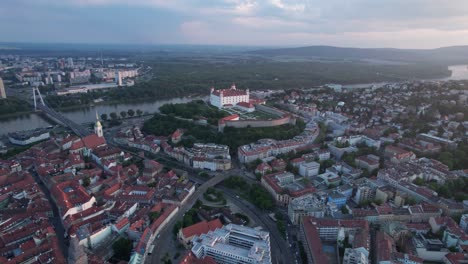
(76,128)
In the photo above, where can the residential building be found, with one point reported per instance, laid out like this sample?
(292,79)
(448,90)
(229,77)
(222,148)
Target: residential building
(315,230)
(355,256)
(283,186)
(337,198)
(309,169)
(464,223)
(306,205)
(369,162)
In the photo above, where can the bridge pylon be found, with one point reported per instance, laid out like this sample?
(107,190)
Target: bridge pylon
(34,90)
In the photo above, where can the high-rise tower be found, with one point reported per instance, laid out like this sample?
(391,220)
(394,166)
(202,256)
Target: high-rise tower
(2,90)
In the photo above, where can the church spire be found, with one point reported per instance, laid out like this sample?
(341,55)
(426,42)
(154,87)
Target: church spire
(98,126)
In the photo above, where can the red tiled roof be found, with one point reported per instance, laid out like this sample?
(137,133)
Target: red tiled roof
(93,141)
(245,104)
(69,193)
(297,160)
(123,222)
(384,247)
(457,258)
(263,167)
(231,117)
(229,92)
(314,243)
(190,258)
(77,145)
(201,228)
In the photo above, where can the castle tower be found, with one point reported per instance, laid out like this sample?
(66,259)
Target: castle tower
(98,127)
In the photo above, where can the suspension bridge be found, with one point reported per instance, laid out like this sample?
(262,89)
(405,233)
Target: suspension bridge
(56,116)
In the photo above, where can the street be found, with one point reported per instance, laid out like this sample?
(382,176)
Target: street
(165,235)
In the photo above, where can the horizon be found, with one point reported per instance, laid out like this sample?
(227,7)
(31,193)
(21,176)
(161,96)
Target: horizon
(4,45)
(280,23)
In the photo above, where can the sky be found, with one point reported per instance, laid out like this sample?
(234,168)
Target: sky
(344,23)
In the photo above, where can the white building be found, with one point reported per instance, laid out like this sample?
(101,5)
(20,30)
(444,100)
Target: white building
(234,244)
(28,137)
(228,97)
(2,90)
(355,256)
(118,78)
(464,223)
(308,169)
(70,62)
(307,205)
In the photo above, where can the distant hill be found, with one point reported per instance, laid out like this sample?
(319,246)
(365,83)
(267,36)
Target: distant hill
(446,55)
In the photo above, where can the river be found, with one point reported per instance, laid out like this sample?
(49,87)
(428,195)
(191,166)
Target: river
(87,114)
(459,72)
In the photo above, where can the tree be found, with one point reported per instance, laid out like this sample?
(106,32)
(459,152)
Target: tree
(130,112)
(344,210)
(113,116)
(123,114)
(419,181)
(139,112)
(104,117)
(153,216)
(122,249)
(446,158)
(86,181)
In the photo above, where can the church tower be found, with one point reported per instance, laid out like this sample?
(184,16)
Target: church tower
(98,127)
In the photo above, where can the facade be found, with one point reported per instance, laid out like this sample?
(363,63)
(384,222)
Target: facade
(208,156)
(283,187)
(355,256)
(464,223)
(234,244)
(307,205)
(315,231)
(118,78)
(228,97)
(337,198)
(309,169)
(2,90)
(28,137)
(369,162)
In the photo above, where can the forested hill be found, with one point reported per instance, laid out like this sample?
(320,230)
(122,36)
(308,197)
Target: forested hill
(448,55)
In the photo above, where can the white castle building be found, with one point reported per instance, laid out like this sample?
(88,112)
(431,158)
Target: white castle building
(228,97)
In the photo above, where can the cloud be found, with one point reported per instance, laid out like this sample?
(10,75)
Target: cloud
(402,23)
(293,7)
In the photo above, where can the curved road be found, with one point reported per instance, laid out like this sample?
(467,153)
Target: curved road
(280,250)
(166,232)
